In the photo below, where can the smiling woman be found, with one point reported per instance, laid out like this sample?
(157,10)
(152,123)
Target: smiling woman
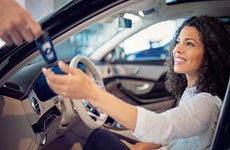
(203,42)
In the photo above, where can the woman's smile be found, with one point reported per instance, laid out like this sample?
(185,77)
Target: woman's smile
(179,60)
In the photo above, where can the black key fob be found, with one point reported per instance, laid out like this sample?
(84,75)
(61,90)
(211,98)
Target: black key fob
(46,48)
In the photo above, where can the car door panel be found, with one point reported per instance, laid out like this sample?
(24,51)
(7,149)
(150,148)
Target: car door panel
(138,84)
(154,98)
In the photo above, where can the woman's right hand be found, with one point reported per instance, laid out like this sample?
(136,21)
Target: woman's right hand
(73,84)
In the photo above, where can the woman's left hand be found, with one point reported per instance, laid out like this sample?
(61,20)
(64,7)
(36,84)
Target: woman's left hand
(141,145)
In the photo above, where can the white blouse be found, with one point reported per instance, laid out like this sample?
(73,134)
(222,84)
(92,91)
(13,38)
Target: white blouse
(190,125)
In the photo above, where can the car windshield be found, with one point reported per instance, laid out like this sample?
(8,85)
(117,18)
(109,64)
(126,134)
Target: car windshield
(86,41)
(128,32)
(132,36)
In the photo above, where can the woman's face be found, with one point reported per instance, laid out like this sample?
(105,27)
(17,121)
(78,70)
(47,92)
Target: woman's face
(188,52)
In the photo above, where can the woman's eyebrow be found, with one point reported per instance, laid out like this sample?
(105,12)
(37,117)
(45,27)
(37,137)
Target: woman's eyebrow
(186,39)
(189,38)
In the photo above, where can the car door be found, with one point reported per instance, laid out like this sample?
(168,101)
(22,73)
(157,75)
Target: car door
(138,82)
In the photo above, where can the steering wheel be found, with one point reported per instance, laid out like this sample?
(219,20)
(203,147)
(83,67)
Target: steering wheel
(91,116)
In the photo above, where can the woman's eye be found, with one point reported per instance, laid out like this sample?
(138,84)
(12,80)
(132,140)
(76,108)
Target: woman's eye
(189,44)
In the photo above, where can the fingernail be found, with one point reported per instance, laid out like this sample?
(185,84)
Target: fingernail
(43,69)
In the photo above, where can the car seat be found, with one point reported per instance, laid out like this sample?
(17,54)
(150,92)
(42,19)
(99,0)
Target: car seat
(222,133)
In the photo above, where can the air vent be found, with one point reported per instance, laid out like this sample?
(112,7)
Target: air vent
(12,86)
(35,105)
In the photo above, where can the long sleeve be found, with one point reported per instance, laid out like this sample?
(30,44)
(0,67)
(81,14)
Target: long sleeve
(192,117)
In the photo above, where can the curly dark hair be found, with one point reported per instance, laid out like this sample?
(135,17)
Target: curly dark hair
(215,66)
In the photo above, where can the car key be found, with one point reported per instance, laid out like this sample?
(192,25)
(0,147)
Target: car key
(46,47)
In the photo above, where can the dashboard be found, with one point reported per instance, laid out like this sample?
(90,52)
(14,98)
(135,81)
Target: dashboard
(30,78)
(41,105)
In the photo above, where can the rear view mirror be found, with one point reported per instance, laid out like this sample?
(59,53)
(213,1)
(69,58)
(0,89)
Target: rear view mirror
(124,22)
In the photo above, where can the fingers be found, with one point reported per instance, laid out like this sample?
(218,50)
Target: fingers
(10,33)
(17,25)
(7,39)
(31,30)
(67,69)
(64,67)
(66,85)
(129,145)
(54,78)
(56,82)
(25,33)
(20,33)
(16,37)
(25,29)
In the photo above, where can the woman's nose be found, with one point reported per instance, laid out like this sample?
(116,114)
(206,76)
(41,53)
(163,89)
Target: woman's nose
(178,49)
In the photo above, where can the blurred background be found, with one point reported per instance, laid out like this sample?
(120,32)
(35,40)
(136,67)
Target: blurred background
(39,9)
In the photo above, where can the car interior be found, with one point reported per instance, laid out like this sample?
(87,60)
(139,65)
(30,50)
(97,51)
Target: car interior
(32,116)
(222,128)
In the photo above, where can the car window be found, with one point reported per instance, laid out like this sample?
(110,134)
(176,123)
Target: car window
(86,41)
(151,43)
